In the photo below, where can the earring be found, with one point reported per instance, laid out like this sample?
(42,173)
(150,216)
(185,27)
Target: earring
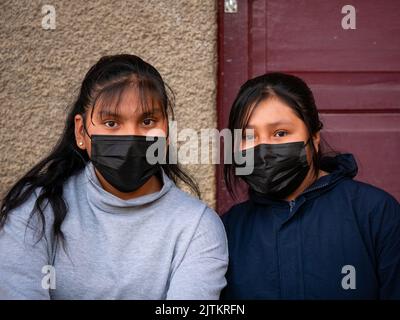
(80,143)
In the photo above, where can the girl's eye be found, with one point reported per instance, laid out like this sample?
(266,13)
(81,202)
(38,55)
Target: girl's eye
(280,134)
(148,121)
(248,137)
(110,124)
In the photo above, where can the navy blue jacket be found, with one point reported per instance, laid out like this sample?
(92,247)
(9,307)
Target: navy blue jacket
(340,239)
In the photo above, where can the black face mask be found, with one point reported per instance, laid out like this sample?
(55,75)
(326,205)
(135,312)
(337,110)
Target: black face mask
(121,159)
(279,169)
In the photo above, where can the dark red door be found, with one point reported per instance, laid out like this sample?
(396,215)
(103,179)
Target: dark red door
(354,73)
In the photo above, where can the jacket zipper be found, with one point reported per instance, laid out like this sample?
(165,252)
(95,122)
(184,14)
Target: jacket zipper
(291,204)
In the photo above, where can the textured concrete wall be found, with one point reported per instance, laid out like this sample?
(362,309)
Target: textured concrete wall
(40,70)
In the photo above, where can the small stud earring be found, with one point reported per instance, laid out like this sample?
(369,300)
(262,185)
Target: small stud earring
(80,143)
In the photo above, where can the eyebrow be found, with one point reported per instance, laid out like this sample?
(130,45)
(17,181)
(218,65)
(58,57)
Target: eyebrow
(155,111)
(105,113)
(111,114)
(271,124)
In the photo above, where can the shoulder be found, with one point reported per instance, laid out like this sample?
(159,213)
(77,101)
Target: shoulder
(235,213)
(36,210)
(367,194)
(371,204)
(24,211)
(26,222)
(188,209)
(192,218)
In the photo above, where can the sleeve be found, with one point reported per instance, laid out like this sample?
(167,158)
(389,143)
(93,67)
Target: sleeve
(201,273)
(388,250)
(22,259)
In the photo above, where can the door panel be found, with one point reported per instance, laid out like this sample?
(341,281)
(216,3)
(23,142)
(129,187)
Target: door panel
(374,139)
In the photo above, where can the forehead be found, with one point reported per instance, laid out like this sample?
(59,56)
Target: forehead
(272,111)
(126,102)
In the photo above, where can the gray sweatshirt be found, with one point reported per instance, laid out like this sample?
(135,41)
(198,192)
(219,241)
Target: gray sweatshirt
(165,245)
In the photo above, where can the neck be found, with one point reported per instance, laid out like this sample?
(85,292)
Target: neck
(152,185)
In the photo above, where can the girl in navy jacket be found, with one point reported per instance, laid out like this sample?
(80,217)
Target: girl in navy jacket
(308,230)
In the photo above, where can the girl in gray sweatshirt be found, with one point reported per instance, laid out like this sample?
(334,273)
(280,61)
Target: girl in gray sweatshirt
(96,219)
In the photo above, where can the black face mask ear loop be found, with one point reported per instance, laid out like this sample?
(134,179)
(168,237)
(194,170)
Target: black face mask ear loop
(313,152)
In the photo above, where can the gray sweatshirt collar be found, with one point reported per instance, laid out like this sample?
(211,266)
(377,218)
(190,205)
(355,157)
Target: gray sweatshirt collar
(106,201)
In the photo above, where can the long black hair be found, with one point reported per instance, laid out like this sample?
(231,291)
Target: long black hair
(105,81)
(290,89)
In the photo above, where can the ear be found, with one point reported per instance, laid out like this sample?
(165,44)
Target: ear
(316,139)
(79,131)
